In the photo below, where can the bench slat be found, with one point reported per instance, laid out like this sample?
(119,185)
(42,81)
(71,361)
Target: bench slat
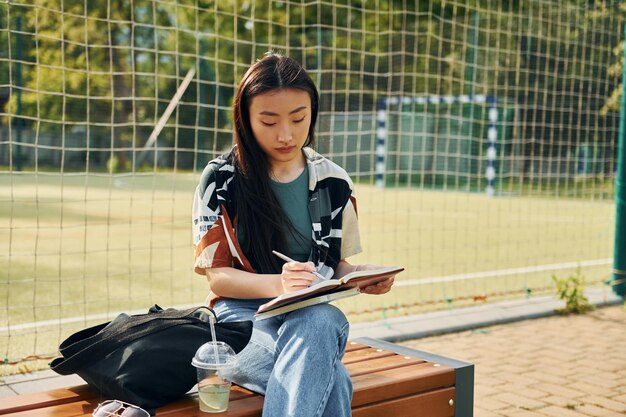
(352,346)
(364,355)
(184,405)
(381,364)
(243,407)
(428,404)
(72,409)
(45,398)
(398,382)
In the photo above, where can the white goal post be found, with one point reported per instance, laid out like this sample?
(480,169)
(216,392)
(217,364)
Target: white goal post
(492,131)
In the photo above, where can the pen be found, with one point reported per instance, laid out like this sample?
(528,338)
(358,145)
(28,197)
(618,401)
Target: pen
(288,259)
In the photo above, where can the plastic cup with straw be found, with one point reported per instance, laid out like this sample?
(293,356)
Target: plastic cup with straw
(214,362)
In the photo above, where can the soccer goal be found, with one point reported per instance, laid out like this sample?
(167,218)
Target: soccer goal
(442,140)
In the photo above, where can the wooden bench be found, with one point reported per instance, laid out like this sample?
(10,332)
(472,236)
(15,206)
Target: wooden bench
(389,381)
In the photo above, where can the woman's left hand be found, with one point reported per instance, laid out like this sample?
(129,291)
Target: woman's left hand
(382,287)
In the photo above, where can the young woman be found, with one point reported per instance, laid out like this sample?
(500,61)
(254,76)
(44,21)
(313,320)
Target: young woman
(273,192)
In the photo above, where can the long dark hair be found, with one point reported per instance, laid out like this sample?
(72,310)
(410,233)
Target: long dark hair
(260,218)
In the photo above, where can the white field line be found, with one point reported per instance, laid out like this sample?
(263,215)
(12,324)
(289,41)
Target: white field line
(67,320)
(503,272)
(421,281)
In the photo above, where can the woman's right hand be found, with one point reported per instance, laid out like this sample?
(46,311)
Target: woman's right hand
(297,275)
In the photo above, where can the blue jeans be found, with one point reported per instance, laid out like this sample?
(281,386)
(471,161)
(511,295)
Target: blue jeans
(294,359)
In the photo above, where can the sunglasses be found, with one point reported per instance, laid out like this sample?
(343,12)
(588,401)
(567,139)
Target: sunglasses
(113,408)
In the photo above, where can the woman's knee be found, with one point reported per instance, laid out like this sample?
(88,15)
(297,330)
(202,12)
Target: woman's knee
(322,317)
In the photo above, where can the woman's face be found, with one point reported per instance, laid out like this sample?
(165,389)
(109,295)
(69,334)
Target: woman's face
(280,122)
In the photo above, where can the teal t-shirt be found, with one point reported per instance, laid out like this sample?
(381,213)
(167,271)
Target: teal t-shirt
(294,198)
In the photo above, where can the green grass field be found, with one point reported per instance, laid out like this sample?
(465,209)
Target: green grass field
(78,245)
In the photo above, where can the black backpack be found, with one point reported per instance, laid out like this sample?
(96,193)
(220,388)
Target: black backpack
(145,359)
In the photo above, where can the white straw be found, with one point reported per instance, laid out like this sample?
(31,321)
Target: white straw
(211,323)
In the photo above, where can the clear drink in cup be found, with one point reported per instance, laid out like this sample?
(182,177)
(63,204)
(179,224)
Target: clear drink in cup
(214,362)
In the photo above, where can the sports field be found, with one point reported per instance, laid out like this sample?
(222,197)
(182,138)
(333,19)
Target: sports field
(74,248)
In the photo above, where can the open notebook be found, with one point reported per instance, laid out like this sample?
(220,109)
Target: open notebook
(325,291)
